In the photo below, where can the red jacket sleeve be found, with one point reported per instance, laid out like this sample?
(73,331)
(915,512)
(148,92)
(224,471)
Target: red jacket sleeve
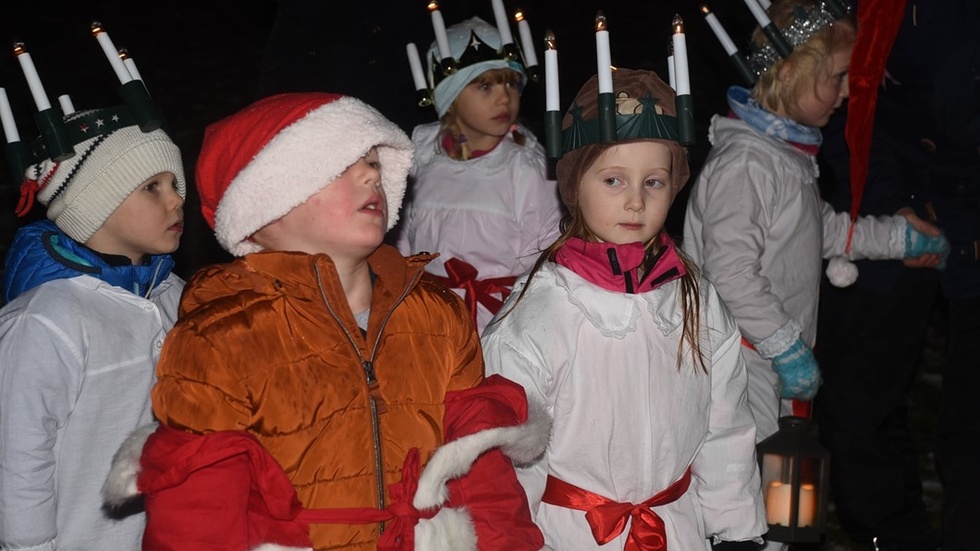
(492,420)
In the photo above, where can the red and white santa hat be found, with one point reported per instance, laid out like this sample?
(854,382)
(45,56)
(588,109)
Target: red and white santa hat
(260,163)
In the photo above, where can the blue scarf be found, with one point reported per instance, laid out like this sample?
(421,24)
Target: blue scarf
(41,252)
(749,110)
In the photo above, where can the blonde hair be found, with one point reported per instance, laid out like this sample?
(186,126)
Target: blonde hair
(777,89)
(448,123)
(573,225)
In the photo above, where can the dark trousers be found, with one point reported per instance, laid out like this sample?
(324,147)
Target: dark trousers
(868,347)
(958,439)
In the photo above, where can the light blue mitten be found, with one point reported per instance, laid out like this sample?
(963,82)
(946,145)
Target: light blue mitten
(918,243)
(798,372)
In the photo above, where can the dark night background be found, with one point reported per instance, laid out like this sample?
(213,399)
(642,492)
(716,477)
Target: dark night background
(202,61)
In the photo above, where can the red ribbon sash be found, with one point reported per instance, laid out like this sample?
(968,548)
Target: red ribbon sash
(400,534)
(463,275)
(608,518)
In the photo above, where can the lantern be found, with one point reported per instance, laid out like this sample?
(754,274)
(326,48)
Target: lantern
(795,471)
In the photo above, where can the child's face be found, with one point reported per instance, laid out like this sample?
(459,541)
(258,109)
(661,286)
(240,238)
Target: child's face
(150,221)
(346,219)
(485,111)
(829,90)
(625,195)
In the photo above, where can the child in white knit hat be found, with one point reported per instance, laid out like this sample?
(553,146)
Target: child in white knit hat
(89,298)
(481,196)
(329,360)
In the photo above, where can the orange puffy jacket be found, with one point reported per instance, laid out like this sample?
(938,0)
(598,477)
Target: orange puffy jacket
(267,344)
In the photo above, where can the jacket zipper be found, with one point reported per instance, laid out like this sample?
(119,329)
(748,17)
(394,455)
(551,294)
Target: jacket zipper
(370,377)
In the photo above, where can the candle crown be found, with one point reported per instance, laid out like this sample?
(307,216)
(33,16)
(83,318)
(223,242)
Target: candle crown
(477,51)
(636,118)
(806,23)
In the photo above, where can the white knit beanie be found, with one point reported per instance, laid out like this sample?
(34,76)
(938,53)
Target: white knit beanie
(471,34)
(84,190)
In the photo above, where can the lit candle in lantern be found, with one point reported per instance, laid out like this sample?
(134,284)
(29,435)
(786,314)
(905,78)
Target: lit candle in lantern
(439,26)
(671,73)
(129,63)
(524,28)
(679,41)
(30,73)
(7,118)
(122,73)
(779,501)
(67,107)
(603,56)
(502,26)
(775,37)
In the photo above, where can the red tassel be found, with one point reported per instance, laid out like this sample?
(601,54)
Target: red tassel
(27,192)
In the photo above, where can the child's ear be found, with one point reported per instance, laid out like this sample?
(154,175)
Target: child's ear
(786,71)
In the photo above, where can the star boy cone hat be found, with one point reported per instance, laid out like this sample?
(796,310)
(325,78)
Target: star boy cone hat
(260,163)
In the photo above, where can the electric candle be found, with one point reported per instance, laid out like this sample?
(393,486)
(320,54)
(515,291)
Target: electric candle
(413,61)
(720,33)
(671,74)
(603,57)
(30,73)
(67,107)
(779,500)
(122,73)
(523,27)
(7,118)
(552,102)
(681,74)
(765,4)
(772,33)
(439,26)
(129,63)
(502,25)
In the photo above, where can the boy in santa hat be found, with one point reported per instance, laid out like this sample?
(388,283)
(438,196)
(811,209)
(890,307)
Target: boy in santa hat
(324,358)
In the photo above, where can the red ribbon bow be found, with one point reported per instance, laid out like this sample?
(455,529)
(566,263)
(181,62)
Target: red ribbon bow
(463,275)
(607,518)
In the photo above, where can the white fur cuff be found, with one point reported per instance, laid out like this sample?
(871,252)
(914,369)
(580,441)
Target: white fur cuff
(120,484)
(449,530)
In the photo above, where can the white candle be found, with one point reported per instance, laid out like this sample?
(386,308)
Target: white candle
(758,12)
(413,61)
(33,81)
(603,57)
(129,63)
(523,27)
(503,27)
(439,26)
(681,75)
(720,33)
(671,73)
(7,118)
(779,499)
(551,102)
(67,107)
(122,73)
(765,4)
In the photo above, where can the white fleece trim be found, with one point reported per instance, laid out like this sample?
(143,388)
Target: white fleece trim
(275,547)
(302,159)
(522,444)
(120,484)
(450,530)
(780,341)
